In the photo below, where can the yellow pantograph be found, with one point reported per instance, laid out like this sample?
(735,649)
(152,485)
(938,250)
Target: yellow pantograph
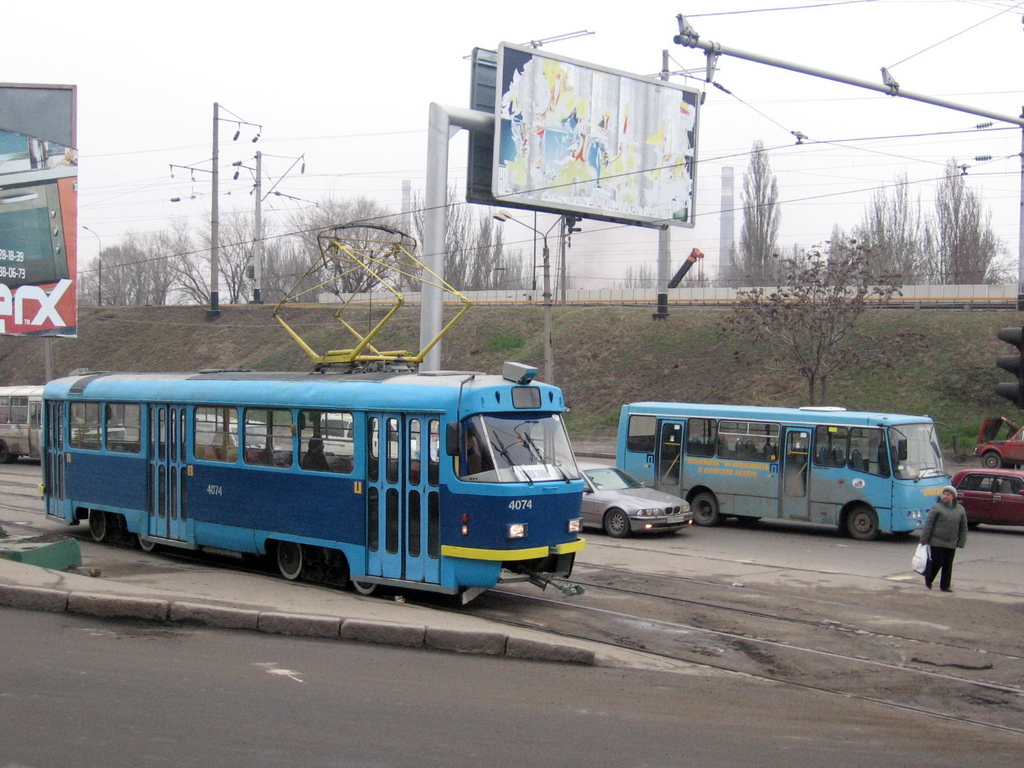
(359,263)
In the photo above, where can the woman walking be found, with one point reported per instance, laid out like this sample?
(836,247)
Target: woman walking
(944,532)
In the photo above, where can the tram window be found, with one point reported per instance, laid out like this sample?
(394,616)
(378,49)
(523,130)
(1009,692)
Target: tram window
(216,434)
(415,452)
(268,437)
(701,436)
(335,431)
(372,455)
(640,438)
(85,426)
(393,450)
(434,453)
(123,427)
(525,397)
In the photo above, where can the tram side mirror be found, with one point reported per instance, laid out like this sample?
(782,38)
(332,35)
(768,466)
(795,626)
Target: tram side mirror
(451,438)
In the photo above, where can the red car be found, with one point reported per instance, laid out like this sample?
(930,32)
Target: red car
(991,496)
(996,452)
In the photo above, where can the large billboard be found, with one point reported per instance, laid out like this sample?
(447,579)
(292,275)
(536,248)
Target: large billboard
(576,138)
(38,210)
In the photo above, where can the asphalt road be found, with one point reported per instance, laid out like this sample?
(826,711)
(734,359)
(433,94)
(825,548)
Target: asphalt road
(78,691)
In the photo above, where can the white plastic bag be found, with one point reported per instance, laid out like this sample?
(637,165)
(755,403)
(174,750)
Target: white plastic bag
(921,555)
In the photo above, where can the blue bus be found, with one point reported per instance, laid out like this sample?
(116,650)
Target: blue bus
(862,472)
(447,482)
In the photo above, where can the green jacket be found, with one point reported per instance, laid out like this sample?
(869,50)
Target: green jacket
(945,527)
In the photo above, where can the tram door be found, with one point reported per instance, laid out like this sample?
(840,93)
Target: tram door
(402,498)
(168,513)
(796,466)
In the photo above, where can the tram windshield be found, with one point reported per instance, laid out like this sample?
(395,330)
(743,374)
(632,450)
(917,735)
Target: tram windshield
(916,451)
(511,448)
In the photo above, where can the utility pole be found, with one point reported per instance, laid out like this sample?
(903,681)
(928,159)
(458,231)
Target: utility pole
(214,310)
(257,245)
(689,38)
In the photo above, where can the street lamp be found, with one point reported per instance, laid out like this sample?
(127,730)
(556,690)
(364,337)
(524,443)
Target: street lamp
(99,273)
(549,363)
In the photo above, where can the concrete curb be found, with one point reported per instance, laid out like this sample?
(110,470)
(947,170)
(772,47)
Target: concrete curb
(275,622)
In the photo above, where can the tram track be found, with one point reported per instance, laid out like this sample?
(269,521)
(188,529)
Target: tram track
(903,673)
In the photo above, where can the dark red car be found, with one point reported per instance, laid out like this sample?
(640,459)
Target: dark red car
(991,496)
(1000,443)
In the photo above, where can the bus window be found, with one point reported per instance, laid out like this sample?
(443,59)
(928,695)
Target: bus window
(701,436)
(831,446)
(748,440)
(641,434)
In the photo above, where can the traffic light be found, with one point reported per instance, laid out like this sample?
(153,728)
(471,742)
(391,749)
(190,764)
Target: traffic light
(571,222)
(1012,390)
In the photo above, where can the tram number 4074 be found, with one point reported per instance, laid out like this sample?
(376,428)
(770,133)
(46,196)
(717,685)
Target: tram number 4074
(521,504)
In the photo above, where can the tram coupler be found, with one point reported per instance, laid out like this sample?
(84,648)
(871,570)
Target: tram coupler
(567,588)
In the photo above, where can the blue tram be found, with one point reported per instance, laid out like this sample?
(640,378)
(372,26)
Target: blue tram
(446,481)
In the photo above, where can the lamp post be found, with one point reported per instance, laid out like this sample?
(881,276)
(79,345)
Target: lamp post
(99,267)
(549,363)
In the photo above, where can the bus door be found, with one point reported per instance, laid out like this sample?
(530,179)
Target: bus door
(402,498)
(670,457)
(793,502)
(35,422)
(168,514)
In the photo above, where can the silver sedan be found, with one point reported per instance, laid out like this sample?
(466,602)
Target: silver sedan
(620,504)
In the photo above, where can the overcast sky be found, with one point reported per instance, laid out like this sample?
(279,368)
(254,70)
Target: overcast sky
(349,85)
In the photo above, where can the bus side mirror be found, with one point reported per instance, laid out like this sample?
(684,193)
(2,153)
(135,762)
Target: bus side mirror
(901,450)
(451,438)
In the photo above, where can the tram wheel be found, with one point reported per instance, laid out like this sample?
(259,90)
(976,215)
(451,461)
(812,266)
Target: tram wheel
(146,545)
(862,523)
(98,527)
(616,523)
(289,559)
(705,509)
(364,587)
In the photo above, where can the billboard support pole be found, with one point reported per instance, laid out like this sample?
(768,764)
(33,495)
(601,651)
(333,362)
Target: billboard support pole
(443,123)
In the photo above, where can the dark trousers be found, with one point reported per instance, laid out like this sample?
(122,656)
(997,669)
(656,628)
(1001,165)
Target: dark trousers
(941,560)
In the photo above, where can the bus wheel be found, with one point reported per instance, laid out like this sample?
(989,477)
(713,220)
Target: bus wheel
(862,523)
(289,559)
(616,523)
(364,587)
(705,509)
(992,460)
(98,525)
(6,457)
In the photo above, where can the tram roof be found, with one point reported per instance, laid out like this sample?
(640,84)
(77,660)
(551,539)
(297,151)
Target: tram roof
(328,390)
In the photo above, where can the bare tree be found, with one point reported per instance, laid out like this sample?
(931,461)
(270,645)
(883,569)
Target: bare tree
(966,246)
(135,272)
(761,218)
(474,254)
(808,323)
(894,232)
(639,276)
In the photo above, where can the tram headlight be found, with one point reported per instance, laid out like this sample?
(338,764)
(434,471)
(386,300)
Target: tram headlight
(516,531)
(576,526)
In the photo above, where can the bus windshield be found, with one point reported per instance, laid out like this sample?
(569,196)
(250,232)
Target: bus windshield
(916,452)
(513,448)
